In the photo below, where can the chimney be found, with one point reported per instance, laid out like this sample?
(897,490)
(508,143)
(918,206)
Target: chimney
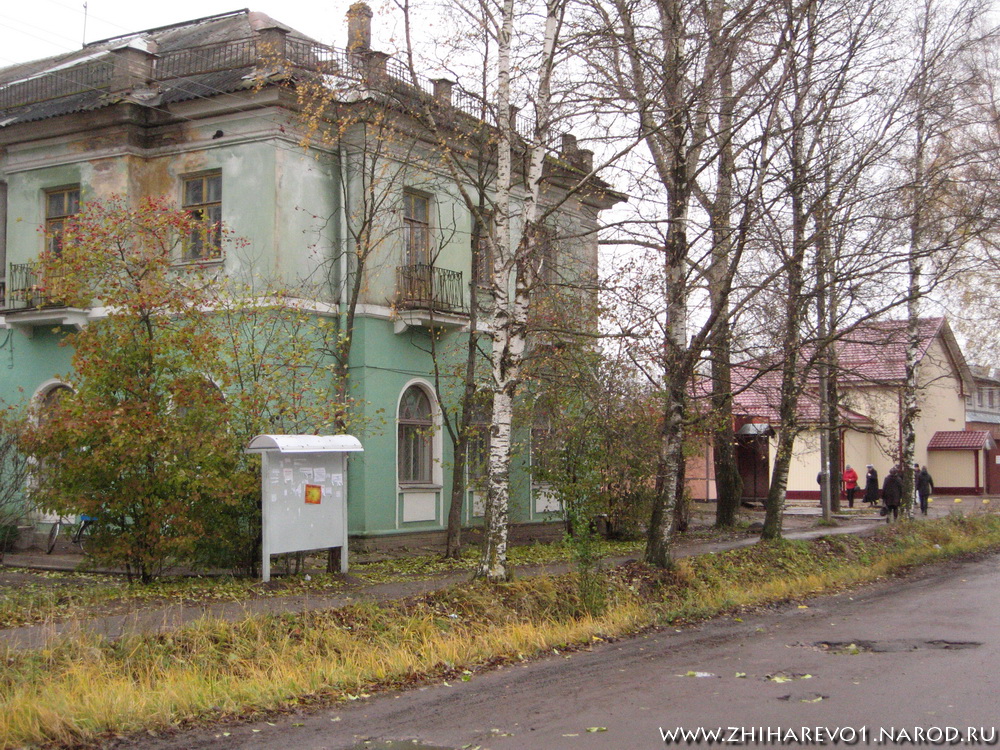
(375,63)
(271,45)
(512,112)
(585,160)
(359,28)
(132,67)
(442,90)
(569,148)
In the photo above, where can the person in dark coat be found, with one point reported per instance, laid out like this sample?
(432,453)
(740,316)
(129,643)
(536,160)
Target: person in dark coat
(892,494)
(871,486)
(925,486)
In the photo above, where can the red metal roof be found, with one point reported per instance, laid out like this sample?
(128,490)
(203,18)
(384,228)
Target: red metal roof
(876,352)
(959,440)
(758,394)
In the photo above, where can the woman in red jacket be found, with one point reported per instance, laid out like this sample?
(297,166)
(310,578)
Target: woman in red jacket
(850,484)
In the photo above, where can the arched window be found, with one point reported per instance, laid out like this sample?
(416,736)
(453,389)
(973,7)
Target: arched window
(49,402)
(415,437)
(197,398)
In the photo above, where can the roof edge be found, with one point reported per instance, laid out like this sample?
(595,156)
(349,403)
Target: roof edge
(179,25)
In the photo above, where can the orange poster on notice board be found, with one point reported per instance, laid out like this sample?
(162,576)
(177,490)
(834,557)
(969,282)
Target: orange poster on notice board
(314,494)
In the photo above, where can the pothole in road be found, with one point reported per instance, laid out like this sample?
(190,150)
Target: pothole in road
(804,697)
(395,745)
(892,646)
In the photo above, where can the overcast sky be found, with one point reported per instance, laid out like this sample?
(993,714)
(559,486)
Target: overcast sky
(31,29)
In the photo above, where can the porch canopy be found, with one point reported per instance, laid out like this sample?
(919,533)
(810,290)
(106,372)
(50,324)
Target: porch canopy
(756,429)
(957,460)
(960,440)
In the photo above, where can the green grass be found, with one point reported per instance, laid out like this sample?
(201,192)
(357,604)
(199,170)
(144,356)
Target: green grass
(81,689)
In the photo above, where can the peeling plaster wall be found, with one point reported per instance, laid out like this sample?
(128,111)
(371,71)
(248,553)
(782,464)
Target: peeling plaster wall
(285,202)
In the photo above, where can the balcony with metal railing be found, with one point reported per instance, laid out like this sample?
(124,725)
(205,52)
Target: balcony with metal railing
(25,290)
(429,296)
(31,301)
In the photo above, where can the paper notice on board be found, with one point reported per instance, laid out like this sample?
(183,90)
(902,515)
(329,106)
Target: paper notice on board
(320,474)
(308,474)
(275,476)
(337,480)
(289,474)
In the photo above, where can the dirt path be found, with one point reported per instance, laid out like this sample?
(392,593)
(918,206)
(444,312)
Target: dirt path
(145,618)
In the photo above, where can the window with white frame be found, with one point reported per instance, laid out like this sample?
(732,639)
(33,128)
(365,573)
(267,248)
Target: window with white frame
(197,398)
(478,447)
(415,437)
(547,254)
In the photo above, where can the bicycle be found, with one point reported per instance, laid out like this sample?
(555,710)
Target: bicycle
(79,536)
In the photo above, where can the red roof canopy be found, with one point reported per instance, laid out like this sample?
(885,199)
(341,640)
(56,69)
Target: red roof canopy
(960,440)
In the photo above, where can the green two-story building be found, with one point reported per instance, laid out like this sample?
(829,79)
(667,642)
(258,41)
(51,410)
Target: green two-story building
(348,202)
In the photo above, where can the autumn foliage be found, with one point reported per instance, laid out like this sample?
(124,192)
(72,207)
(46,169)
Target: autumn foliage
(142,442)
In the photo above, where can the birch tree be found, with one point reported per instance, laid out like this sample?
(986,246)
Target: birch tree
(518,48)
(509,316)
(939,214)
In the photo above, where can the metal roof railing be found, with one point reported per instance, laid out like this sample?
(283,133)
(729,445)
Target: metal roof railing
(78,79)
(96,75)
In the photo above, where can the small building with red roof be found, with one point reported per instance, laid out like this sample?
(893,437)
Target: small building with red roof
(870,374)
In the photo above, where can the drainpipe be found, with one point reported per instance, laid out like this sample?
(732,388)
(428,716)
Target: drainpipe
(708,484)
(342,262)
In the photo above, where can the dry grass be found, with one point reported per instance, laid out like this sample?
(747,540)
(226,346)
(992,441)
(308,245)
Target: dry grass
(81,689)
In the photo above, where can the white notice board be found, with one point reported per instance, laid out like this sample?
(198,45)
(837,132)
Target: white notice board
(304,502)
(303,493)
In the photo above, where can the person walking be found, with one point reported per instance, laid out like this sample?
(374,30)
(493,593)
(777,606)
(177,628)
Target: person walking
(850,484)
(892,494)
(871,486)
(925,486)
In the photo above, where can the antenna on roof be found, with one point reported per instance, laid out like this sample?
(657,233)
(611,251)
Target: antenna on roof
(85,24)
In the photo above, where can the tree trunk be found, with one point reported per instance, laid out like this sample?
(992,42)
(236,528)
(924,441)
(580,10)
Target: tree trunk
(661,525)
(728,484)
(510,318)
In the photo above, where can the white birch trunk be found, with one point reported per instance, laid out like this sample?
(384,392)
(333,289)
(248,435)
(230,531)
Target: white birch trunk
(510,316)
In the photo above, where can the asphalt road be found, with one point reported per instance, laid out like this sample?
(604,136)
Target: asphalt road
(918,655)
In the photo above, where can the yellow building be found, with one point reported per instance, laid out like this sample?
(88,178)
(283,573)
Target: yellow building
(870,375)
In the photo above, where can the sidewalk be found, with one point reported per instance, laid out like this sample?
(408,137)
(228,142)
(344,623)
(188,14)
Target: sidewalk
(163,618)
